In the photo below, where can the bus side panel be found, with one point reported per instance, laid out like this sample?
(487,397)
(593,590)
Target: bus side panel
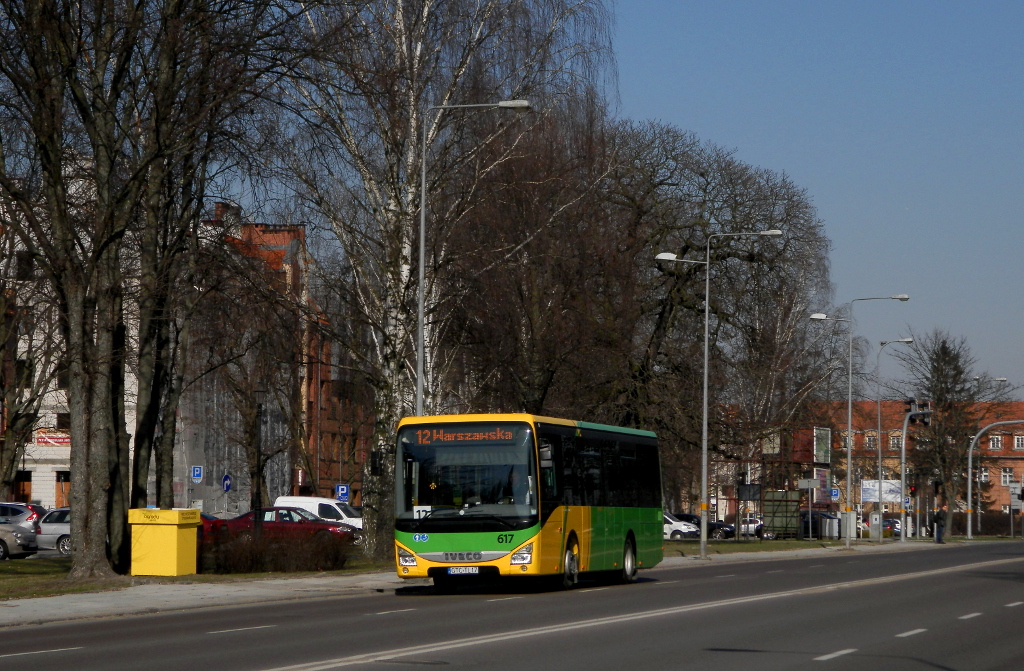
(603,521)
(579,520)
(552,542)
(563,521)
(649,544)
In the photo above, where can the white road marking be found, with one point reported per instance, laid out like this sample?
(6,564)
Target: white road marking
(727,575)
(228,631)
(593,589)
(833,655)
(912,632)
(968,616)
(781,570)
(505,598)
(816,566)
(665,582)
(1015,603)
(388,612)
(453,644)
(39,652)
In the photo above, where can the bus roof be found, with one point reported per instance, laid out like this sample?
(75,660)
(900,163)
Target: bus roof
(522,417)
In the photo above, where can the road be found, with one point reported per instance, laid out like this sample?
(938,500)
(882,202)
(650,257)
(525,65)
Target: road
(957,607)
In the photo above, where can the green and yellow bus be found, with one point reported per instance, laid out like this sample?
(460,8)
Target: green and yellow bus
(521,495)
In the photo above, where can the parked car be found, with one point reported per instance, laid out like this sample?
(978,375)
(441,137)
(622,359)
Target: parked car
(716,530)
(328,509)
(281,523)
(822,524)
(755,527)
(16,542)
(677,530)
(55,531)
(20,515)
(893,525)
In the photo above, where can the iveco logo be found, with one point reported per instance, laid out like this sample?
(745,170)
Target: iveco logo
(463,556)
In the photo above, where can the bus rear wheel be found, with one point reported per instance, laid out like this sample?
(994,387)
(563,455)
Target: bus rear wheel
(628,562)
(571,572)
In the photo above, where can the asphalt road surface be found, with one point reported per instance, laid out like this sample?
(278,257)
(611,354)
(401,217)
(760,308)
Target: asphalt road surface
(957,607)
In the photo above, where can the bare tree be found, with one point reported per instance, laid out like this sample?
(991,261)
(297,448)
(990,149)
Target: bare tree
(362,106)
(940,368)
(29,353)
(99,99)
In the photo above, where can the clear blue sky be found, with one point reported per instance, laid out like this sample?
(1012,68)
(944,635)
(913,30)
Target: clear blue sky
(903,120)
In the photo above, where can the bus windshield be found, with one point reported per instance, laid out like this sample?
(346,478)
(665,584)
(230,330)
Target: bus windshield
(478,475)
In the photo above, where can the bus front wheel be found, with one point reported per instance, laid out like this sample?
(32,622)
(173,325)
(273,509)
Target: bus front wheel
(628,562)
(571,572)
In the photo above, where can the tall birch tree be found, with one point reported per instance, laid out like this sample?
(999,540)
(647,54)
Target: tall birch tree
(362,113)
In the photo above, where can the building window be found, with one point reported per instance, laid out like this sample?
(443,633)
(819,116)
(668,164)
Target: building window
(871,443)
(983,474)
(894,442)
(63,421)
(25,268)
(1018,442)
(1006,509)
(995,442)
(1006,476)
(24,373)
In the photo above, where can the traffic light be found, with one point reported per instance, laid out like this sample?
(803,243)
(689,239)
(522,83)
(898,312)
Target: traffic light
(912,490)
(925,406)
(911,409)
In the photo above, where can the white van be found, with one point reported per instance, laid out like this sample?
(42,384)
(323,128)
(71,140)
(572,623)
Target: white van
(328,509)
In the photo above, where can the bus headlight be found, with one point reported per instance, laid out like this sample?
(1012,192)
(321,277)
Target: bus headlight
(406,558)
(523,555)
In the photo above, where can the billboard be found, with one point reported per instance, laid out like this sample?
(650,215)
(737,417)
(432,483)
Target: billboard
(822,445)
(890,491)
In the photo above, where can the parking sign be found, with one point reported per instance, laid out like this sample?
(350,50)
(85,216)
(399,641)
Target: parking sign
(197,474)
(341,493)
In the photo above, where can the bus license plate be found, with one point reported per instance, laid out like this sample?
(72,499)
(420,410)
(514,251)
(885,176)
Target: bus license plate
(463,570)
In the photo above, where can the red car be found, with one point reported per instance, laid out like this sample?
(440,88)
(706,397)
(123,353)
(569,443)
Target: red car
(281,524)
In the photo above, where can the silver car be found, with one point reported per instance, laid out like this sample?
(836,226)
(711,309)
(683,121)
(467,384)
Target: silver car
(55,531)
(16,542)
(20,515)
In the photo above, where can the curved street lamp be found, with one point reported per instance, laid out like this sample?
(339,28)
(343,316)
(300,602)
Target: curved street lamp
(668,256)
(517,105)
(878,396)
(848,517)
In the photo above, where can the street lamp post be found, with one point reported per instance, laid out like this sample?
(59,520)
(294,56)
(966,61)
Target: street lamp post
(259,396)
(668,256)
(970,454)
(970,467)
(878,395)
(519,106)
(848,521)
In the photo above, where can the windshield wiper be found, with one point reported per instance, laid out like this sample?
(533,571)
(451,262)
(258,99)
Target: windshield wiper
(416,522)
(489,516)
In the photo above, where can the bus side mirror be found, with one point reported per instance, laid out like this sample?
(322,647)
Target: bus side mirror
(545,458)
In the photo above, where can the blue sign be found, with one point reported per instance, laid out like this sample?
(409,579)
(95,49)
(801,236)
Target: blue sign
(225,482)
(197,474)
(835,493)
(341,493)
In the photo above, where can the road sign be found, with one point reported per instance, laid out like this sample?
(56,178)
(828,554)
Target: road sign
(809,483)
(197,474)
(906,501)
(225,482)
(835,493)
(341,493)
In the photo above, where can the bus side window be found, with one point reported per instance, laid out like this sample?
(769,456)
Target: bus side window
(548,472)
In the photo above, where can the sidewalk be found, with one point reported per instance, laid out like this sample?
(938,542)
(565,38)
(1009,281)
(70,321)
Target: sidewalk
(157,598)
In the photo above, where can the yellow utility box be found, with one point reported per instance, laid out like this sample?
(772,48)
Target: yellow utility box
(163,541)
